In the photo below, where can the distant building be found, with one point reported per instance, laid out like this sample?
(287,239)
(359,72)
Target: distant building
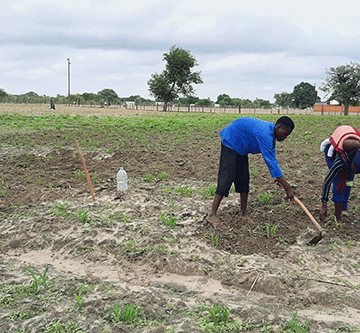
(334,107)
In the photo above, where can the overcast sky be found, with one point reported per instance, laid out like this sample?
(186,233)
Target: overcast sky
(246,49)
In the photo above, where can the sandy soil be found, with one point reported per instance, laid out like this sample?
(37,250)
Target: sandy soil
(121,249)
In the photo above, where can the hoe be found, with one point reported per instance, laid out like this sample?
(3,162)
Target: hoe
(322,232)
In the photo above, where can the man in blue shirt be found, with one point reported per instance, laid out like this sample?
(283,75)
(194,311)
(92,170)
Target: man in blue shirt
(243,136)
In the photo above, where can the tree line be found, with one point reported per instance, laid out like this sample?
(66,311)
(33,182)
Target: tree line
(174,85)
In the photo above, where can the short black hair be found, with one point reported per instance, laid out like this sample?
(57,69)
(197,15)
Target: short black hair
(286,121)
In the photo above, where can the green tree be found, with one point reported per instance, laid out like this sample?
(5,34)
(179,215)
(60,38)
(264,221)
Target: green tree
(262,103)
(283,99)
(108,95)
(343,84)
(3,94)
(204,102)
(177,78)
(224,99)
(236,101)
(304,95)
(89,97)
(189,100)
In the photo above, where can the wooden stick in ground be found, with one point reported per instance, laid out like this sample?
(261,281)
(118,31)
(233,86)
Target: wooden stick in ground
(87,174)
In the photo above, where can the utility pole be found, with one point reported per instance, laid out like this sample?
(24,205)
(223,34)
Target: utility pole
(68,59)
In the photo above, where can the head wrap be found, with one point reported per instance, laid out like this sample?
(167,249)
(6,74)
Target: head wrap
(286,121)
(356,161)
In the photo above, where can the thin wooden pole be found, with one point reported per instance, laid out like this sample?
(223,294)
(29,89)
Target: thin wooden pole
(86,171)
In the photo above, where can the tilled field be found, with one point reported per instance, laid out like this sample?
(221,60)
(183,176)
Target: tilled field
(73,262)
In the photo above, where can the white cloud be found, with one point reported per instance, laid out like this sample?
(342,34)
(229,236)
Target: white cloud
(250,49)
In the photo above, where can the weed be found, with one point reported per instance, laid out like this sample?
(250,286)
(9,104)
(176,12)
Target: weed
(35,283)
(337,223)
(6,301)
(18,290)
(3,193)
(347,328)
(119,216)
(283,204)
(60,209)
(24,164)
(87,227)
(293,326)
(129,314)
(219,314)
(42,277)
(208,191)
(184,191)
(207,271)
(175,253)
(214,239)
(83,215)
(145,231)
(80,174)
(194,257)
(164,175)
(281,243)
(79,297)
(265,197)
(169,220)
(270,230)
(149,177)
(58,327)
(23,315)
(349,243)
(254,172)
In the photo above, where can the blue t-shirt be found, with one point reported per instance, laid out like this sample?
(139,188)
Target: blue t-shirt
(250,135)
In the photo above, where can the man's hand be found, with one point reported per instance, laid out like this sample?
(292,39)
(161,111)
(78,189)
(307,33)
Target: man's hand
(290,193)
(286,186)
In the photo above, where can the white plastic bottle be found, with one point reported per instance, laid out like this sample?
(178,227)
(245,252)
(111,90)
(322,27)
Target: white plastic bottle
(122,180)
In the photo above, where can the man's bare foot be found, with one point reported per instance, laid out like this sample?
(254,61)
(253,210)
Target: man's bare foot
(214,220)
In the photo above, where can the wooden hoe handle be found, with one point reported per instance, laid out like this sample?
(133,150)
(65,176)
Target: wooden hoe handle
(317,225)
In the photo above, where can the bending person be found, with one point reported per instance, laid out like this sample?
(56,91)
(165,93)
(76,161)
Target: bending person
(342,155)
(243,136)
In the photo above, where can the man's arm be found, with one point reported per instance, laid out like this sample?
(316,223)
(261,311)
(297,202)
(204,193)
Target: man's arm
(288,189)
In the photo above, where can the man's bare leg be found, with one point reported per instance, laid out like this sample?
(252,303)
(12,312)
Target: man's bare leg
(243,202)
(212,217)
(338,210)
